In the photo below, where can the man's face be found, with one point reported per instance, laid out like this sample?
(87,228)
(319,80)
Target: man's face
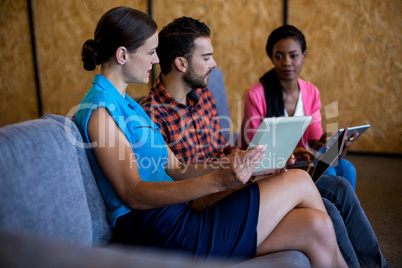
(201,64)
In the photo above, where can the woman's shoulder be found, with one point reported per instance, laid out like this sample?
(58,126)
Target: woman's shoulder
(255,93)
(255,90)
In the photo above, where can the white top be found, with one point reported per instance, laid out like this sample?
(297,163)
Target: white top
(299,111)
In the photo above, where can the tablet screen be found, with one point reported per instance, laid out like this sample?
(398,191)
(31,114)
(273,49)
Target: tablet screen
(280,135)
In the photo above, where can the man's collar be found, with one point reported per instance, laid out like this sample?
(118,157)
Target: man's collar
(164,96)
(193,95)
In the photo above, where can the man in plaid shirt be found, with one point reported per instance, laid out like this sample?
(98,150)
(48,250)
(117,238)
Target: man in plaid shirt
(182,106)
(179,102)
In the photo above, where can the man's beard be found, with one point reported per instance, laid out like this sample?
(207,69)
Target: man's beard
(194,80)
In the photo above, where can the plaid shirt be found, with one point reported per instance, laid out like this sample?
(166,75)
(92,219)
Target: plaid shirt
(191,131)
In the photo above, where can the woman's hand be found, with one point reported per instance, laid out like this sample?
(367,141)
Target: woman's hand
(303,154)
(348,143)
(236,170)
(317,144)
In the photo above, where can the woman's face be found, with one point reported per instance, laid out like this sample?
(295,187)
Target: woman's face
(140,62)
(288,59)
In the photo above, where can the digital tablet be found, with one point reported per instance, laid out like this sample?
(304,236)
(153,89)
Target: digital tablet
(330,157)
(351,131)
(280,135)
(317,167)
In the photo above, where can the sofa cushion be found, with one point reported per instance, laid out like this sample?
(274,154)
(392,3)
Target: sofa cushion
(101,231)
(217,87)
(41,187)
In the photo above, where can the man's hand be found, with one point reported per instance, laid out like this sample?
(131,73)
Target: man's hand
(207,201)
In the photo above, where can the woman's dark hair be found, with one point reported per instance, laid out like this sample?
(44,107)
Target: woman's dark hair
(285,31)
(270,80)
(273,94)
(177,40)
(120,26)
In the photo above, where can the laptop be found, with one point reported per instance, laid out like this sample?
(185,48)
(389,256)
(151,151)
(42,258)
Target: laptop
(318,166)
(280,135)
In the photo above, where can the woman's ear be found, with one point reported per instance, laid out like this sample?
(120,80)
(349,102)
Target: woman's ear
(181,64)
(121,55)
(305,55)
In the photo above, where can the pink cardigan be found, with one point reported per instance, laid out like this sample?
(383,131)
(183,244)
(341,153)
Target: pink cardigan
(255,110)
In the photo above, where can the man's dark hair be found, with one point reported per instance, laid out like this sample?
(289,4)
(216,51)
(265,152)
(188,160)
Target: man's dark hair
(177,40)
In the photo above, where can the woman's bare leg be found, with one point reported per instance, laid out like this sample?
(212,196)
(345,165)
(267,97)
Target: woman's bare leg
(307,228)
(309,231)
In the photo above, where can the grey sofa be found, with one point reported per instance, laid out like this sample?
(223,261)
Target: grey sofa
(52,213)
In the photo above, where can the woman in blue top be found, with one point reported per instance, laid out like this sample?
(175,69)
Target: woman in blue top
(146,189)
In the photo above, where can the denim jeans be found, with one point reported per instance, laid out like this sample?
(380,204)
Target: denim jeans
(342,236)
(353,229)
(345,169)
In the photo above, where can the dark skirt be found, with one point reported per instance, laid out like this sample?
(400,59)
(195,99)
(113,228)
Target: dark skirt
(227,230)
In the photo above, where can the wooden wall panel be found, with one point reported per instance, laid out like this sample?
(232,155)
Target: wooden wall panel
(17,81)
(239,33)
(62,28)
(354,55)
(355,59)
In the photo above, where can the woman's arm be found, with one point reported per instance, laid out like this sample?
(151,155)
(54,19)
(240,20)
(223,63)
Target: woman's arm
(115,157)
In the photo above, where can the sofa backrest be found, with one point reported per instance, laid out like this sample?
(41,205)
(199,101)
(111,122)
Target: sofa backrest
(216,85)
(46,184)
(102,233)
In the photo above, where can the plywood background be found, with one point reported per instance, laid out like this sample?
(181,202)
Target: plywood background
(355,55)
(17,80)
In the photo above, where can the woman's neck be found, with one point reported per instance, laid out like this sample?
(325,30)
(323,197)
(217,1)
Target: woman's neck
(290,87)
(115,79)
(290,94)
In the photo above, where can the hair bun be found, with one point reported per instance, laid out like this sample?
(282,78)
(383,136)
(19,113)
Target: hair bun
(89,55)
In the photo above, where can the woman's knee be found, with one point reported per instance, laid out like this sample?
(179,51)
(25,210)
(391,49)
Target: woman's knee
(297,181)
(300,176)
(289,190)
(302,180)
(322,228)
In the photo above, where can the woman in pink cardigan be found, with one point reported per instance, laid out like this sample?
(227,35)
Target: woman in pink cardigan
(280,92)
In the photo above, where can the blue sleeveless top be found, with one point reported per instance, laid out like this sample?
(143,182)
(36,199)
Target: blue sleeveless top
(149,147)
